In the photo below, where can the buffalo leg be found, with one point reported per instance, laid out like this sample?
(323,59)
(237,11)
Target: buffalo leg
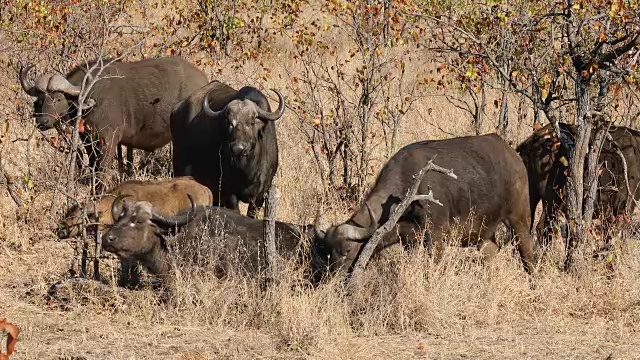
(119,157)
(104,165)
(129,161)
(231,202)
(534,199)
(489,249)
(255,206)
(550,217)
(519,223)
(525,249)
(435,244)
(129,273)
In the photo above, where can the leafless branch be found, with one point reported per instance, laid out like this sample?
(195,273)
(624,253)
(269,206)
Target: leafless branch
(410,196)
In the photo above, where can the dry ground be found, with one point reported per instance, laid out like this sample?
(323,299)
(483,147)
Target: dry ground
(409,308)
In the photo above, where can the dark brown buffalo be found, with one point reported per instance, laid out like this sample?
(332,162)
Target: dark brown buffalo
(130,104)
(491,189)
(226,139)
(547,168)
(168,196)
(211,234)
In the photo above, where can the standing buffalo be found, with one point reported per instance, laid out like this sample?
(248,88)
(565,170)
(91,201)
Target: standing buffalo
(167,196)
(491,189)
(205,235)
(547,165)
(129,104)
(226,139)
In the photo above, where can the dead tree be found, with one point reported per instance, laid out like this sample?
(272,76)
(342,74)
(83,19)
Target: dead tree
(410,196)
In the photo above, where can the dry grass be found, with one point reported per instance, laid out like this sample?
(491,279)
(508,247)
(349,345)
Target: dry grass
(409,308)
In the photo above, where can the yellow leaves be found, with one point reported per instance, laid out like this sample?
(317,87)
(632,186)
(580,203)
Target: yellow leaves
(28,183)
(563,160)
(502,16)
(472,73)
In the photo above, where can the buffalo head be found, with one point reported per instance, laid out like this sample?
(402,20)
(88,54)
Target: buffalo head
(342,243)
(53,97)
(137,228)
(242,126)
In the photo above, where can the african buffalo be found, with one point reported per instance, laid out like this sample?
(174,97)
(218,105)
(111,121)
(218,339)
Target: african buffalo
(210,234)
(168,196)
(547,165)
(130,103)
(226,139)
(491,189)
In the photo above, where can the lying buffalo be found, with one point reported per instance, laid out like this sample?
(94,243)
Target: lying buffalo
(213,235)
(491,189)
(168,196)
(130,104)
(226,139)
(547,164)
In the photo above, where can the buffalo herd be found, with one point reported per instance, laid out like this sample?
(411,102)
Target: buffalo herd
(225,151)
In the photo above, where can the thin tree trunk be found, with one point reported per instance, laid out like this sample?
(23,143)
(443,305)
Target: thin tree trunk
(270,233)
(575,183)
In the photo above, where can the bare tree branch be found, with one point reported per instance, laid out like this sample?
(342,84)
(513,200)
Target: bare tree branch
(410,196)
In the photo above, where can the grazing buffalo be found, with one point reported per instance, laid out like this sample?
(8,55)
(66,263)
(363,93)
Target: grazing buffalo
(168,196)
(547,164)
(130,104)
(491,189)
(213,235)
(226,139)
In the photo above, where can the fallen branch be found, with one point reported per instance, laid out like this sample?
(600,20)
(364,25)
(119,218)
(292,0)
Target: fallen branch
(410,196)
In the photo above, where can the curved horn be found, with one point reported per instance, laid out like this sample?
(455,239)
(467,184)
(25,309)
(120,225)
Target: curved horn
(360,233)
(116,208)
(27,86)
(177,220)
(319,228)
(207,110)
(60,83)
(272,116)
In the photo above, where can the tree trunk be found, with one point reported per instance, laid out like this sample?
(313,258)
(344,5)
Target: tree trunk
(575,183)
(270,233)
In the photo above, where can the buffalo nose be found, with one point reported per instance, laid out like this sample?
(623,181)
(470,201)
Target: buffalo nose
(238,148)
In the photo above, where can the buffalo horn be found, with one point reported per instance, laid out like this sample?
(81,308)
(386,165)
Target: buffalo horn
(360,233)
(207,110)
(60,83)
(272,116)
(116,207)
(177,220)
(319,227)
(27,86)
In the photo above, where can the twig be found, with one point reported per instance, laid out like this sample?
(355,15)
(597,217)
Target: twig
(409,197)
